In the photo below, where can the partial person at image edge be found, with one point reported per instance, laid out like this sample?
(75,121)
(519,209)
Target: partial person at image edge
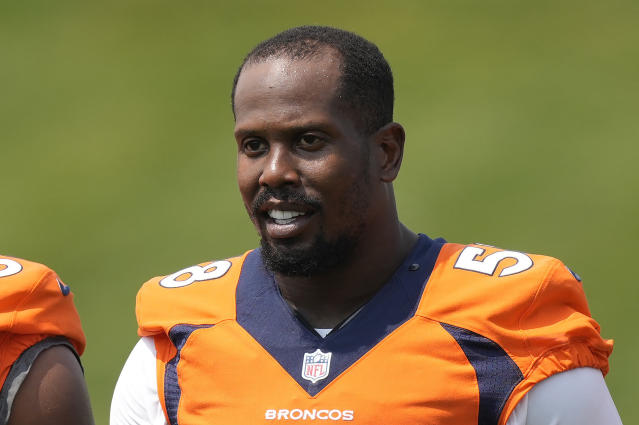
(41,340)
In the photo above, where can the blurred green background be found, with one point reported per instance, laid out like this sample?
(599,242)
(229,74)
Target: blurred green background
(117,158)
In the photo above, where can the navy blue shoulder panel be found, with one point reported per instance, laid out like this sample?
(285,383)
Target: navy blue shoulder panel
(497,374)
(264,314)
(178,334)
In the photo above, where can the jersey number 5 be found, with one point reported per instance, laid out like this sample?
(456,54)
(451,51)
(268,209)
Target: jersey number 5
(467,260)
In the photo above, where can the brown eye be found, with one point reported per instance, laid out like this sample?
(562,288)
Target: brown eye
(310,142)
(254,146)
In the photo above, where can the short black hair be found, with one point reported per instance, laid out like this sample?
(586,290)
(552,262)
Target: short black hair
(366,83)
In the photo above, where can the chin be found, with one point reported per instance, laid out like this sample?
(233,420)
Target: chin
(288,257)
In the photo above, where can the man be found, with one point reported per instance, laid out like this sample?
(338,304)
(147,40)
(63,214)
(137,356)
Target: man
(41,339)
(344,314)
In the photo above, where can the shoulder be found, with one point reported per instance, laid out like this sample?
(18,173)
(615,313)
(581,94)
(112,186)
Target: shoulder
(531,306)
(34,300)
(480,279)
(489,262)
(200,294)
(41,333)
(53,391)
(19,278)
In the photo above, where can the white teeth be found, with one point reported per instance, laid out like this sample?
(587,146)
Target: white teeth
(284,215)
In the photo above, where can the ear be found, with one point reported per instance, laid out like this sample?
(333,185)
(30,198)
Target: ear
(388,145)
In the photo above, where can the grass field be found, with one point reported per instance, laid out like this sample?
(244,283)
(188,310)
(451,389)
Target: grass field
(118,161)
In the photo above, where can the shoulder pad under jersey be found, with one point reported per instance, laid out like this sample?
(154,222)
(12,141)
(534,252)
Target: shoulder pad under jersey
(200,294)
(34,300)
(528,304)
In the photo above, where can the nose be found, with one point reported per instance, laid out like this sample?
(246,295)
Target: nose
(280,168)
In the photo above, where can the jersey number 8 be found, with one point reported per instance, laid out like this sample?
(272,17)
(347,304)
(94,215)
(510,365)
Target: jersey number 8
(193,274)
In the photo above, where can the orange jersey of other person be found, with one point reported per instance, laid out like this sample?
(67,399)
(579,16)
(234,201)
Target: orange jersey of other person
(36,312)
(458,335)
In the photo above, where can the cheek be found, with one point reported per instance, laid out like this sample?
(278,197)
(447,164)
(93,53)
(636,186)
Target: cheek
(247,180)
(330,171)
(338,178)
(351,192)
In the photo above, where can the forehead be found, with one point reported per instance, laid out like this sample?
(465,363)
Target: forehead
(281,89)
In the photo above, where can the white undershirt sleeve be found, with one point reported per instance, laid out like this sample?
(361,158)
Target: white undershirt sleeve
(575,397)
(135,399)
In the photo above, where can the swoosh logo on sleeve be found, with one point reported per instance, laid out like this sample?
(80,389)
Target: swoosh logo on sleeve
(63,288)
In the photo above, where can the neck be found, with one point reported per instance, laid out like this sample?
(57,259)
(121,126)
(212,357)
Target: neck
(326,300)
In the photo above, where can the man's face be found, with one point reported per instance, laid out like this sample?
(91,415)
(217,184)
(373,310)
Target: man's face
(303,166)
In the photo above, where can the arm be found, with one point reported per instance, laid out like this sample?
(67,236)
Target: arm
(135,398)
(575,397)
(54,392)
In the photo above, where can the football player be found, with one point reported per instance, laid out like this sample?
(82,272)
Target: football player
(344,314)
(41,339)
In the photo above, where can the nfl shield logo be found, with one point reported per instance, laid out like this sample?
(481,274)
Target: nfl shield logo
(316,365)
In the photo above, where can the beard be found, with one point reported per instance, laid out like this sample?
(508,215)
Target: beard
(318,258)
(322,254)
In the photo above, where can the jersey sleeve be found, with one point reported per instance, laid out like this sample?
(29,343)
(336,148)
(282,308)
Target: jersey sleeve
(34,300)
(36,313)
(185,296)
(559,332)
(530,306)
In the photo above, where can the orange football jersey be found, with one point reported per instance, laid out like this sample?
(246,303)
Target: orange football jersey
(458,335)
(36,312)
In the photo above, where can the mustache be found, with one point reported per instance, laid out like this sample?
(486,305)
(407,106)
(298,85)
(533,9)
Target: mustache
(283,194)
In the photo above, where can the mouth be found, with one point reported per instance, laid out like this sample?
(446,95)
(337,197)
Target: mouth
(282,217)
(284,220)
(284,214)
